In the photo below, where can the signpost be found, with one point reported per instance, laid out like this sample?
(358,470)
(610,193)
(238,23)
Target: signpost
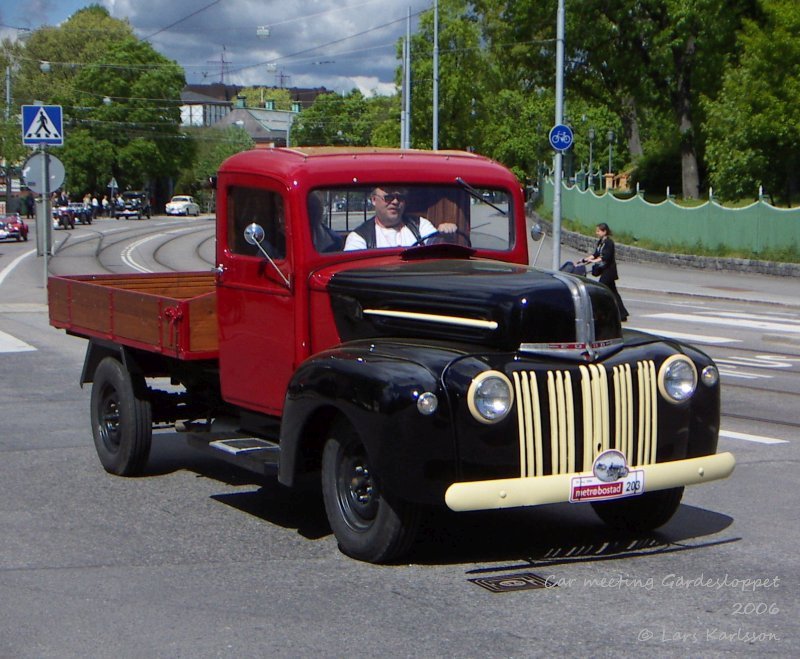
(42,125)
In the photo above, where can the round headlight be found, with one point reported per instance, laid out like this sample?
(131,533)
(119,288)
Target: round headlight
(709,375)
(490,397)
(677,379)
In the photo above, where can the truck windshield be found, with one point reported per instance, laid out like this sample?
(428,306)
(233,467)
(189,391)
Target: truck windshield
(393,215)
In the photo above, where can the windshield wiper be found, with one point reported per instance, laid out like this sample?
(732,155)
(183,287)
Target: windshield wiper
(477,194)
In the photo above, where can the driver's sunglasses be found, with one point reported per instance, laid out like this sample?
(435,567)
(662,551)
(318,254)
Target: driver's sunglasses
(389,198)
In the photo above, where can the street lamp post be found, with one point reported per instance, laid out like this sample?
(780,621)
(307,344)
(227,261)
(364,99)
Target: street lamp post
(591,153)
(610,137)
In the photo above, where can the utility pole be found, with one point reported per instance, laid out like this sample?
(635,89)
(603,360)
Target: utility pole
(435,75)
(407,136)
(559,120)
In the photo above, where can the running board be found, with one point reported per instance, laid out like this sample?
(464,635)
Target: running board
(251,453)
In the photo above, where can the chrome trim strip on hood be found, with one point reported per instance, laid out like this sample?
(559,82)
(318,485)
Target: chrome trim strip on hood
(434,318)
(585,344)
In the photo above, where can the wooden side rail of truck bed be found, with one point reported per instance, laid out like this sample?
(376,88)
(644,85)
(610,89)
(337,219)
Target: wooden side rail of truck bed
(173,314)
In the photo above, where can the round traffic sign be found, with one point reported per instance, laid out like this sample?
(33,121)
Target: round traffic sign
(561,137)
(33,169)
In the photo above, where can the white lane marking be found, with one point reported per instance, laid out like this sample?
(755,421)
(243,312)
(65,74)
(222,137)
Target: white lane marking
(7,270)
(760,361)
(744,375)
(691,338)
(10,343)
(760,439)
(127,255)
(788,328)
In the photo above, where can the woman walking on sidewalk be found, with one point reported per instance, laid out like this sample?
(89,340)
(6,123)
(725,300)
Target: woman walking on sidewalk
(604,264)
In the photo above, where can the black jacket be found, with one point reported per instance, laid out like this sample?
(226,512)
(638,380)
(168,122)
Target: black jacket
(608,266)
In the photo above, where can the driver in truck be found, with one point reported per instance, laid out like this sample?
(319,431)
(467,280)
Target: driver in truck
(391,227)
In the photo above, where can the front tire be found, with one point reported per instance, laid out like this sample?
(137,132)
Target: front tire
(122,419)
(366,524)
(645,512)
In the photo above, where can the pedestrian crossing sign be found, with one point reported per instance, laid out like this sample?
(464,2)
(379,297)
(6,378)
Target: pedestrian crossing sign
(42,124)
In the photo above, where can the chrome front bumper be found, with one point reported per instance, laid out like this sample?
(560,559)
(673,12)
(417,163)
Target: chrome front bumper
(539,490)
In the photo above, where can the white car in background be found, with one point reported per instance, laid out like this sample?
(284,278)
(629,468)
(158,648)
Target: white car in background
(183,205)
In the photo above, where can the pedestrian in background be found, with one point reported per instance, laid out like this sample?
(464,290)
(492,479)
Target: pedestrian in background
(604,264)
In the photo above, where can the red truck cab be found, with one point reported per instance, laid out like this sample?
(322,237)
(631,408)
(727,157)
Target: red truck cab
(277,188)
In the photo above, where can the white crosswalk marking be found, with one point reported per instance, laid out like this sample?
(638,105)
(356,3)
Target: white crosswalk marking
(731,320)
(10,343)
(689,338)
(759,439)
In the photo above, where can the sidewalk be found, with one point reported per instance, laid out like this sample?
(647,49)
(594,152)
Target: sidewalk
(676,280)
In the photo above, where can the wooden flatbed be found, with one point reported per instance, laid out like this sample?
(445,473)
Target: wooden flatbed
(173,314)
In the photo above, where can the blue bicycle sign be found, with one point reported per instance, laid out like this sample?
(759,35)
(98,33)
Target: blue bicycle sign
(561,137)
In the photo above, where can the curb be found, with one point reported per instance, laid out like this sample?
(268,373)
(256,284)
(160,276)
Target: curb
(638,255)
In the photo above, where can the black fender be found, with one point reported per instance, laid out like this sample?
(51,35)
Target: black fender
(375,387)
(98,349)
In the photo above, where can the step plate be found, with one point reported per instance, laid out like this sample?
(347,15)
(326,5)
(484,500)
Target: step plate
(243,445)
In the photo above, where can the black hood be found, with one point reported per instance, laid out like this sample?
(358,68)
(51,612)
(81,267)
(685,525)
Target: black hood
(491,303)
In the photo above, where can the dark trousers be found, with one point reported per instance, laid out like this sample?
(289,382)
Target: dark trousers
(623,312)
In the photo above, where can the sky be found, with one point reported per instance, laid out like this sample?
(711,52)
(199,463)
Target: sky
(337,44)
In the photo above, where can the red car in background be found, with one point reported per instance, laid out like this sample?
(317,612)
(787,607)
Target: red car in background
(13,226)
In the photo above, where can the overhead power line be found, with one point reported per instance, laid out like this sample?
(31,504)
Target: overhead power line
(181,20)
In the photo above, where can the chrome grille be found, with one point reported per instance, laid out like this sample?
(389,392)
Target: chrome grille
(552,393)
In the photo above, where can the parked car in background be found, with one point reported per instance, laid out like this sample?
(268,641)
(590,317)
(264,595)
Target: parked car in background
(13,226)
(63,217)
(133,204)
(183,205)
(80,212)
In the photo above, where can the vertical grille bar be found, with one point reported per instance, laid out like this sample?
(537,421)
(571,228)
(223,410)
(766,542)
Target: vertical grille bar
(654,411)
(538,446)
(648,421)
(522,395)
(588,427)
(529,419)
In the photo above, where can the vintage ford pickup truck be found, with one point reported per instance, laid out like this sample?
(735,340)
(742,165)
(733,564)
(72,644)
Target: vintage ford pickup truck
(441,371)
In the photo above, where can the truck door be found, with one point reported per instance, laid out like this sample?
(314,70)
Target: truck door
(254,302)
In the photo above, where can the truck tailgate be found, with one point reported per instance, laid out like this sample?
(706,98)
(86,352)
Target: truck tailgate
(173,314)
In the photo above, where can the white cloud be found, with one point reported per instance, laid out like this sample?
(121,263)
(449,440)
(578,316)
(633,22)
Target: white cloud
(337,44)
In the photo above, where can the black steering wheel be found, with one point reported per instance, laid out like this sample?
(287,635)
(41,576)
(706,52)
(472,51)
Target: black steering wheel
(457,237)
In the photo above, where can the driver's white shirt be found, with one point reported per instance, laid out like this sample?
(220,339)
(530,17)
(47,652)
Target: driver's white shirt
(390,237)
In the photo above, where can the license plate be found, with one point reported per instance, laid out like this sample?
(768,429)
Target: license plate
(591,488)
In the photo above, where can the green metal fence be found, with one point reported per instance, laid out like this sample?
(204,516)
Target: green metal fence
(755,228)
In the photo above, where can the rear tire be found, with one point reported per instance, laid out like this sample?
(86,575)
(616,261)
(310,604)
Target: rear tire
(122,419)
(366,524)
(645,512)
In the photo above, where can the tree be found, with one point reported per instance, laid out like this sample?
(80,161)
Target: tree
(651,57)
(754,123)
(256,97)
(121,101)
(464,79)
(335,120)
(212,145)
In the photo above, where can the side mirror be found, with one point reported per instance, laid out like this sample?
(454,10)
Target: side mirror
(537,232)
(254,234)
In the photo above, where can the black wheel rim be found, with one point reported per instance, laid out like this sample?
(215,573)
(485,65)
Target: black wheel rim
(355,488)
(109,418)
